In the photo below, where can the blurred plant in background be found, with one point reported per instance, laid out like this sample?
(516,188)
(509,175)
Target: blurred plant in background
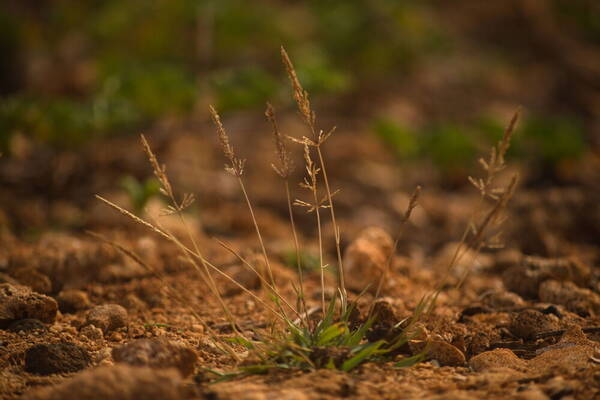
(78,70)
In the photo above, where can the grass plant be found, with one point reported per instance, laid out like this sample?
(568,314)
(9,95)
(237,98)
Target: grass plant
(333,334)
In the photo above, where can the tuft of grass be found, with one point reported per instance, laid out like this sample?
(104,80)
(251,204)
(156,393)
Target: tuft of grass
(333,334)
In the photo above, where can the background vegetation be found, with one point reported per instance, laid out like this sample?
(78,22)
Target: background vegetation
(83,69)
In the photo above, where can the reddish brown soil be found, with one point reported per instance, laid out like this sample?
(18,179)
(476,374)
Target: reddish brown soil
(532,307)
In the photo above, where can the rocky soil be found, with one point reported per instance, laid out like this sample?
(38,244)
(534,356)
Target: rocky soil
(79,319)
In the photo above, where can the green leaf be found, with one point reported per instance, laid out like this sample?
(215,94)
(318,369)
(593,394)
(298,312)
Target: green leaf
(409,361)
(330,333)
(242,341)
(367,351)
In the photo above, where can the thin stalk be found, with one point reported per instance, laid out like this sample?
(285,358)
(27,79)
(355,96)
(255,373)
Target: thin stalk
(341,280)
(320,233)
(258,234)
(260,277)
(297,247)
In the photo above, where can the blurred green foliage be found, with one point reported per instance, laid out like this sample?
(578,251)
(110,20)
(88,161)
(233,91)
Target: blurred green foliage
(82,69)
(140,192)
(452,147)
(115,65)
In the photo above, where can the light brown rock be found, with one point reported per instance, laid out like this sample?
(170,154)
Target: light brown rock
(157,353)
(366,257)
(575,299)
(503,300)
(119,382)
(497,358)
(445,353)
(528,323)
(525,278)
(72,300)
(107,317)
(19,302)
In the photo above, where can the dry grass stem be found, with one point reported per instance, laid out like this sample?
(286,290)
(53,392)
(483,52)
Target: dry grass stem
(284,170)
(177,208)
(236,168)
(412,203)
(318,138)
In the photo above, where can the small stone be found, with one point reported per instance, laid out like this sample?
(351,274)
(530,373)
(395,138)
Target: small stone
(37,281)
(503,300)
(526,277)
(119,382)
(497,358)
(107,317)
(157,353)
(71,301)
(19,302)
(384,312)
(27,325)
(116,336)
(563,355)
(92,333)
(528,323)
(578,300)
(445,353)
(47,359)
(366,257)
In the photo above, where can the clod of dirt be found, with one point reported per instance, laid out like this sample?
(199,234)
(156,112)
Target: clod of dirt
(529,323)
(19,302)
(27,325)
(503,300)
(443,352)
(157,353)
(119,382)
(366,257)
(72,300)
(57,358)
(253,391)
(497,358)
(562,355)
(107,317)
(575,299)
(384,312)
(92,333)
(526,277)
(31,277)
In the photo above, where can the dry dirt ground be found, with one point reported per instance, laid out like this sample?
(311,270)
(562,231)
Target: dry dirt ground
(80,320)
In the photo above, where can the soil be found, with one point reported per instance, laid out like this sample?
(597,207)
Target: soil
(525,324)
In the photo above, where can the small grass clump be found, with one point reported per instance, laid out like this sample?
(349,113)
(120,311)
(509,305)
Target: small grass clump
(332,334)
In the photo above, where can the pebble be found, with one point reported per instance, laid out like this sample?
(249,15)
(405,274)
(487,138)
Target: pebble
(37,281)
(578,300)
(72,300)
(503,300)
(119,382)
(445,353)
(107,317)
(57,358)
(92,333)
(528,323)
(526,277)
(497,358)
(157,353)
(366,257)
(19,302)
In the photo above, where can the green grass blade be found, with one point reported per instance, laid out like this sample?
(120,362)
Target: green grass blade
(362,355)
